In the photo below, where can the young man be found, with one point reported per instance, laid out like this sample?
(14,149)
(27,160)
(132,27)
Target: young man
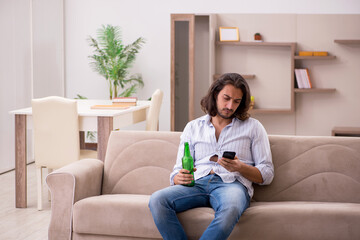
(221,183)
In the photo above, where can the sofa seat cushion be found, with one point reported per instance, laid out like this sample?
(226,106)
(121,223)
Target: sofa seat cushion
(128,215)
(115,214)
(299,220)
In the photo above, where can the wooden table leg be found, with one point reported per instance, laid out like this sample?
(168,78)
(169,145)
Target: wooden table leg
(105,126)
(20,161)
(82,139)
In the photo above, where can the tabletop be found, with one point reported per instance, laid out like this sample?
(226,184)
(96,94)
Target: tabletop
(84,108)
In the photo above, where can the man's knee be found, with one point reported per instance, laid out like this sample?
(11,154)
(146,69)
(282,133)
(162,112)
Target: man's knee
(156,199)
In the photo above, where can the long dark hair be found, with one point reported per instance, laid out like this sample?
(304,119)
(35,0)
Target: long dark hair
(208,103)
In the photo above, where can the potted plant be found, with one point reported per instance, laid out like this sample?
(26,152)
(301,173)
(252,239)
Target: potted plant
(257,37)
(112,59)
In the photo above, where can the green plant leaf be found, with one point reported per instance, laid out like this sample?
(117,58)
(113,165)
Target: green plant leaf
(80,97)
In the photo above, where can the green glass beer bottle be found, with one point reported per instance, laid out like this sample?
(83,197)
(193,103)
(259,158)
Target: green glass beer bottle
(188,163)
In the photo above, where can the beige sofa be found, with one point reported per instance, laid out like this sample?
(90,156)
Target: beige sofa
(315,193)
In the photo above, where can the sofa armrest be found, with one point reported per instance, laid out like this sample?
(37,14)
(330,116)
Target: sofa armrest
(68,185)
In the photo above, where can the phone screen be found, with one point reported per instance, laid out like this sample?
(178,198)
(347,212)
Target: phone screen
(229,155)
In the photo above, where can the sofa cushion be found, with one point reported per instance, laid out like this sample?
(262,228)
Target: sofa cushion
(115,214)
(299,220)
(317,169)
(128,215)
(139,162)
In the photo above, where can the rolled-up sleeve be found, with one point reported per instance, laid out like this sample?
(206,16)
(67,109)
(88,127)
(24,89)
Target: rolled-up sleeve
(261,153)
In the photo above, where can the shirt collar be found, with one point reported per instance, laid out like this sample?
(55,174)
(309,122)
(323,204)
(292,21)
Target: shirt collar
(207,120)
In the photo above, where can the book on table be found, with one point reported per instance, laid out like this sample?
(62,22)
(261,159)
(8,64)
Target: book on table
(124,104)
(125,101)
(109,107)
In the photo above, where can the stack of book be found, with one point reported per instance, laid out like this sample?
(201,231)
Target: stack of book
(118,103)
(124,101)
(303,78)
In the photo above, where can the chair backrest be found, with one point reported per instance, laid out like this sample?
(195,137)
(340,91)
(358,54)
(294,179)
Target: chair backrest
(154,111)
(56,131)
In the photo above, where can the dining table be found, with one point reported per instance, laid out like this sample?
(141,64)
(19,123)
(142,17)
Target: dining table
(101,120)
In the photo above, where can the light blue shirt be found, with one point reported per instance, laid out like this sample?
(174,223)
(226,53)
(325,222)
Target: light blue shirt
(247,138)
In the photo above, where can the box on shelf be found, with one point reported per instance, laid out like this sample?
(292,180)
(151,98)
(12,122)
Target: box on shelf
(305,53)
(323,54)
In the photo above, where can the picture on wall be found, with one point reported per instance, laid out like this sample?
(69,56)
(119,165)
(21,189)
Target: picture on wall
(229,34)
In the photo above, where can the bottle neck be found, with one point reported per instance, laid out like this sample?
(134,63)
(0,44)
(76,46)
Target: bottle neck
(187,150)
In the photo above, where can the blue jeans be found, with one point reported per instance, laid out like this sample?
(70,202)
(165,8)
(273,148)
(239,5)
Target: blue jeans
(229,200)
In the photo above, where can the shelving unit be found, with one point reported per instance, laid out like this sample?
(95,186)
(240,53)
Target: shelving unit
(294,58)
(269,67)
(292,47)
(314,90)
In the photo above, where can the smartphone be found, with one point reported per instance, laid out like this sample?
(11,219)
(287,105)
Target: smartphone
(229,155)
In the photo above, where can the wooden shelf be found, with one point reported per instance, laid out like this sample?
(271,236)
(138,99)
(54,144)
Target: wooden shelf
(347,41)
(245,76)
(346,131)
(270,44)
(314,90)
(270,110)
(314,57)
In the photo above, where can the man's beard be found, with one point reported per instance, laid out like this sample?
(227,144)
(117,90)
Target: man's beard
(226,117)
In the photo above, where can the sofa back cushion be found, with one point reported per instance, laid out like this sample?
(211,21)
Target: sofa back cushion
(139,162)
(313,169)
(306,168)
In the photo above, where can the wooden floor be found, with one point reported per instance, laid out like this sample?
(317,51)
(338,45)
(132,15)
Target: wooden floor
(23,223)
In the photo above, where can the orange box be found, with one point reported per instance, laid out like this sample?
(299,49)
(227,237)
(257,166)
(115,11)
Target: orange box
(305,53)
(320,53)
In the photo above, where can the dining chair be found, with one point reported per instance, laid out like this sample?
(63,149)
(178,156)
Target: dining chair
(152,118)
(56,136)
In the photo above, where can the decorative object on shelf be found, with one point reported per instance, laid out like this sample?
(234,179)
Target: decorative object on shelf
(306,53)
(112,59)
(313,53)
(252,102)
(323,54)
(257,37)
(229,34)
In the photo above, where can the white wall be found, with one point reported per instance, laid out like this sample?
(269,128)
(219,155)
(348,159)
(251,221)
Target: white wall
(48,48)
(16,86)
(151,20)
(15,71)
